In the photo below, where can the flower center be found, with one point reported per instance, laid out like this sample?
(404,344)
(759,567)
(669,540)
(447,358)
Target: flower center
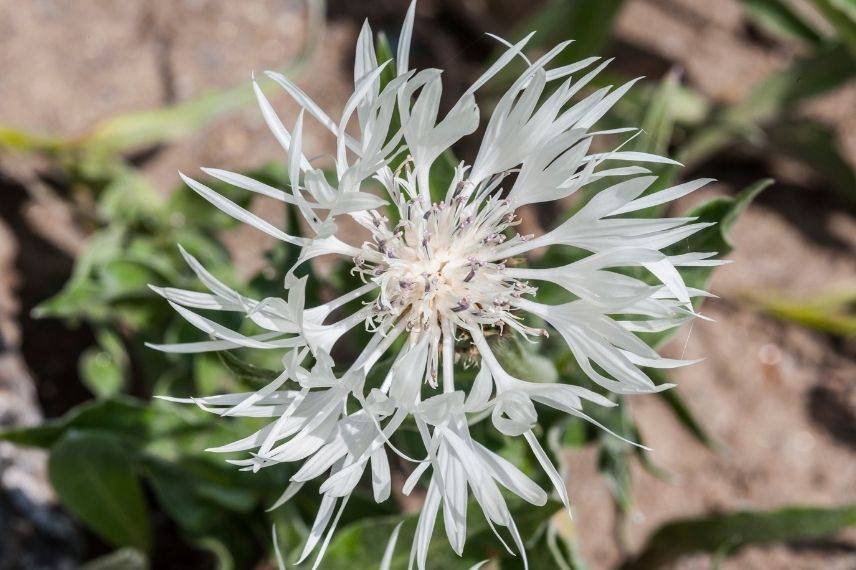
(430,266)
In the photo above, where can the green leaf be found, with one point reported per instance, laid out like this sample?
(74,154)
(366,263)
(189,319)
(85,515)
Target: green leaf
(724,211)
(614,455)
(658,122)
(684,414)
(587,22)
(122,559)
(384,53)
(574,433)
(195,493)
(102,368)
(816,145)
(657,128)
(830,313)
(842,15)
(94,477)
(121,277)
(780,19)
(255,375)
(19,140)
(188,209)
(733,531)
(122,416)
(214,505)
(79,298)
(522,361)
(827,69)
(155,126)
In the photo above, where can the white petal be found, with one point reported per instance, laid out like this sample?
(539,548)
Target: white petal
(224,204)
(549,469)
(403,55)
(292,489)
(381,480)
(386,562)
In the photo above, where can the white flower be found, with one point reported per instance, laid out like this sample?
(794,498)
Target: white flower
(437,274)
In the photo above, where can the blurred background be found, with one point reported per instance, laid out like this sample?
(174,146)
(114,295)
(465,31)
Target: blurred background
(103,101)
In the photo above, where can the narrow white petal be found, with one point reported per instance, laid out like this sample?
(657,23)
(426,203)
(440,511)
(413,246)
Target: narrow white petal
(225,205)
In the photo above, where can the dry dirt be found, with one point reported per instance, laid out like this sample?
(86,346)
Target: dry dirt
(779,398)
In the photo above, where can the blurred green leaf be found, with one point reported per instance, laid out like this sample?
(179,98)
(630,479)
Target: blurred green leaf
(575,433)
(587,22)
(384,53)
(122,559)
(20,140)
(122,416)
(103,367)
(94,477)
(78,298)
(155,126)
(832,313)
(210,505)
(199,494)
(99,373)
(188,209)
(657,129)
(255,375)
(842,15)
(816,145)
(682,411)
(687,106)
(828,68)
(778,17)
(658,123)
(733,531)
(613,464)
(523,361)
(120,277)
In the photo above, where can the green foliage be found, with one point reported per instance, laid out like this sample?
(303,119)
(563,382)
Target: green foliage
(770,102)
(815,145)
(122,416)
(591,21)
(779,18)
(122,559)
(734,531)
(842,15)
(832,313)
(93,475)
(524,361)
(682,411)
(103,368)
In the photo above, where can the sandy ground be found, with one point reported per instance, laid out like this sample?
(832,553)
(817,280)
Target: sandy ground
(779,398)
(769,393)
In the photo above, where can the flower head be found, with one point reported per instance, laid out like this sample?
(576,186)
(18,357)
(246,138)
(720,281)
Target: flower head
(441,269)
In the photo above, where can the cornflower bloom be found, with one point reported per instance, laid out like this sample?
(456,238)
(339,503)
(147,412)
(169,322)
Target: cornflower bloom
(444,272)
